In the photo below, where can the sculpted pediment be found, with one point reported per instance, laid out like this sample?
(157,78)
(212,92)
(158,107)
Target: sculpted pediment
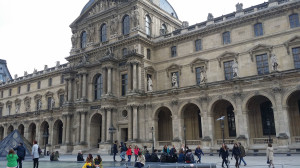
(291,42)
(17,101)
(174,67)
(260,48)
(198,62)
(37,97)
(150,69)
(227,55)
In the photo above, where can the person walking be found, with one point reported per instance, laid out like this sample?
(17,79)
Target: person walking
(270,155)
(11,159)
(136,152)
(21,152)
(115,150)
(236,154)
(140,160)
(224,153)
(123,151)
(198,153)
(129,153)
(35,154)
(243,154)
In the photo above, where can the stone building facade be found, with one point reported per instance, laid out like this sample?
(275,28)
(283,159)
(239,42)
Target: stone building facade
(137,74)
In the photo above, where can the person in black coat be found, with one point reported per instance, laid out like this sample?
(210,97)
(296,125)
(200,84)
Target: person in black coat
(115,150)
(80,156)
(236,153)
(21,152)
(154,157)
(224,153)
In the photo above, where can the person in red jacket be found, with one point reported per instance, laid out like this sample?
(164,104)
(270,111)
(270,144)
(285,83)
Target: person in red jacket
(129,153)
(136,152)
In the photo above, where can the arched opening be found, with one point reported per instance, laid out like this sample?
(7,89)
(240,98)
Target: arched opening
(261,119)
(83,38)
(44,133)
(192,122)
(148,25)
(126,25)
(21,129)
(224,108)
(10,129)
(57,132)
(103,33)
(293,104)
(95,130)
(1,133)
(32,132)
(165,131)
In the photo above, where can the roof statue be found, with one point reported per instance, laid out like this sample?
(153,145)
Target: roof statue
(12,140)
(210,17)
(239,7)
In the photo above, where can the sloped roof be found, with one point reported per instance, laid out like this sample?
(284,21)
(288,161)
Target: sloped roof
(4,72)
(12,140)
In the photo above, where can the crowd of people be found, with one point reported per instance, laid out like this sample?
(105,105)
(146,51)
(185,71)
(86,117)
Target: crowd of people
(185,155)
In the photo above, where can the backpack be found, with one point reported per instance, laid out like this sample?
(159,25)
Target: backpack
(188,158)
(39,151)
(163,157)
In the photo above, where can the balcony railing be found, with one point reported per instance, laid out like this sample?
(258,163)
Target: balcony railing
(193,142)
(227,141)
(258,141)
(163,143)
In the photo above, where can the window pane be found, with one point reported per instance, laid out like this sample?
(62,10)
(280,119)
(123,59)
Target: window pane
(83,39)
(296,56)
(294,20)
(124,84)
(262,64)
(148,26)
(198,76)
(103,33)
(198,45)
(258,29)
(228,70)
(226,38)
(98,87)
(126,25)
(173,51)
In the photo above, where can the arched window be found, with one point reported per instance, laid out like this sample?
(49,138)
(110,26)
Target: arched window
(98,86)
(148,25)
(83,40)
(163,29)
(103,33)
(231,122)
(126,25)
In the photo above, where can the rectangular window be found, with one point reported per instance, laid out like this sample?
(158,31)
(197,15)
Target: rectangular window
(49,103)
(9,92)
(62,79)
(226,38)
(19,89)
(198,75)
(1,111)
(258,29)
(228,70)
(148,54)
(262,64)
(61,100)
(173,51)
(39,85)
(50,82)
(296,56)
(294,20)
(28,87)
(124,84)
(198,45)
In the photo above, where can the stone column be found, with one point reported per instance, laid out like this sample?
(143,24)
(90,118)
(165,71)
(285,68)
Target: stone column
(26,134)
(108,124)
(135,123)
(50,138)
(104,77)
(103,127)
(134,77)
(129,71)
(82,132)
(241,124)
(68,129)
(140,76)
(70,94)
(78,128)
(130,124)
(176,125)
(64,129)
(109,80)
(83,86)
(79,89)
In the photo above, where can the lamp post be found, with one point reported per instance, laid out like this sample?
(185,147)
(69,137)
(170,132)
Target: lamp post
(184,131)
(269,126)
(152,131)
(45,135)
(111,130)
(222,127)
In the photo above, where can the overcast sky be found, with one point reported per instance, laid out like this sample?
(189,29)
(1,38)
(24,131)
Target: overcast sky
(35,33)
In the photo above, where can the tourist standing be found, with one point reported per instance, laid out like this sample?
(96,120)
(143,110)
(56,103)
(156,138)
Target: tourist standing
(270,155)
(123,151)
(224,154)
(136,152)
(236,153)
(11,159)
(140,160)
(129,153)
(115,150)
(198,153)
(21,152)
(243,154)
(35,154)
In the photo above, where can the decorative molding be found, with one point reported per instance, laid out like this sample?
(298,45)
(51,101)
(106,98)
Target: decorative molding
(173,67)
(260,48)
(291,42)
(227,55)
(198,62)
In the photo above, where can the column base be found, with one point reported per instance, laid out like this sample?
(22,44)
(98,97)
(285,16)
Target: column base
(104,148)
(78,148)
(64,149)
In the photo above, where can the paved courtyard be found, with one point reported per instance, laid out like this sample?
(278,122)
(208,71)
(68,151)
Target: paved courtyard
(69,161)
